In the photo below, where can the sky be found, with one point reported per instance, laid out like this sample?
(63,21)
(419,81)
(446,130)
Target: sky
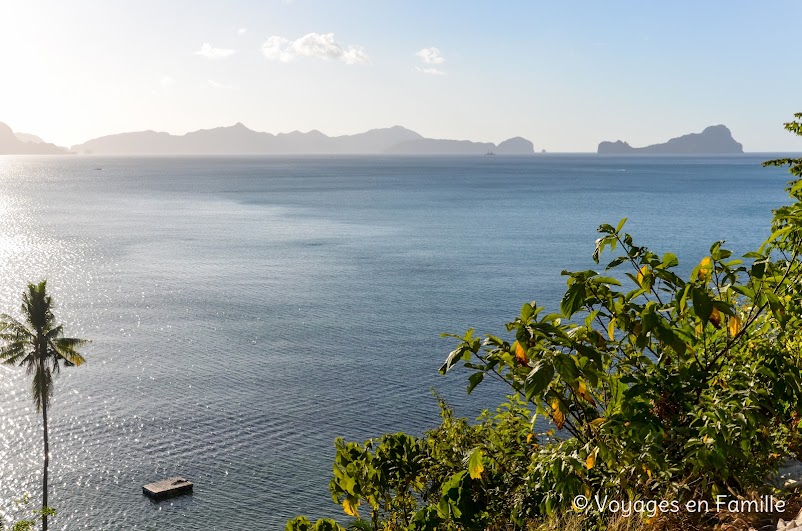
(565,75)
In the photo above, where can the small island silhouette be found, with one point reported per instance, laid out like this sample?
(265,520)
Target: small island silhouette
(714,140)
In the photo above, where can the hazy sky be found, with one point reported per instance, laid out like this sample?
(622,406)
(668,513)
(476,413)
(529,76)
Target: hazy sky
(566,75)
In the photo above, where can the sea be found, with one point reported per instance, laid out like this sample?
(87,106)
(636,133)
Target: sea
(246,311)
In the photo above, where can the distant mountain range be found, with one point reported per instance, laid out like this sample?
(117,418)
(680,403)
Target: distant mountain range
(238,139)
(714,140)
(23,144)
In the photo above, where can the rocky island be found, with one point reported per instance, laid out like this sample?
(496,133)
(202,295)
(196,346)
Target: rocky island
(714,140)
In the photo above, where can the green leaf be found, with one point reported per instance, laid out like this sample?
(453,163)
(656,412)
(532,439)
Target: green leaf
(566,367)
(462,352)
(607,280)
(474,380)
(605,228)
(670,260)
(702,304)
(617,262)
(538,379)
(777,307)
(573,299)
(759,269)
(620,224)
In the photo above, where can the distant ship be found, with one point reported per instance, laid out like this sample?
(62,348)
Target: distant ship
(489,154)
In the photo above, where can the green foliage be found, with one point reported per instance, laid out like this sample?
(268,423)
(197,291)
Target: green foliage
(28,524)
(301,523)
(678,386)
(657,385)
(457,476)
(683,387)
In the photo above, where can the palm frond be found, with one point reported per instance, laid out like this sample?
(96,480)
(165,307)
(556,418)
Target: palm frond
(55,332)
(15,352)
(65,348)
(10,327)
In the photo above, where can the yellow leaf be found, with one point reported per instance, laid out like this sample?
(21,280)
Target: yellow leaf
(642,273)
(611,329)
(585,394)
(715,318)
(734,325)
(529,437)
(590,462)
(350,507)
(648,472)
(475,465)
(556,414)
(597,422)
(520,354)
(705,267)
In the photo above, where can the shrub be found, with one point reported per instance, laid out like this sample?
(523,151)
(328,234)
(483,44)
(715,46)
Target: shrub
(657,386)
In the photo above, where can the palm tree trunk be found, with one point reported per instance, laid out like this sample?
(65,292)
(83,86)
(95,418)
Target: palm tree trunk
(47,461)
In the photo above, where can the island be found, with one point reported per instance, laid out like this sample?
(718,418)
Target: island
(24,144)
(240,140)
(714,140)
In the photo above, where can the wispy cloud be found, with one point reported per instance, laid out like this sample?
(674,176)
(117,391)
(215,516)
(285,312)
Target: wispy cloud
(242,31)
(431,70)
(430,56)
(221,86)
(315,45)
(210,52)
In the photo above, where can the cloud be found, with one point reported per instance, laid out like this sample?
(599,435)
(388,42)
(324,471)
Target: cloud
(167,82)
(431,56)
(242,31)
(315,45)
(206,50)
(433,71)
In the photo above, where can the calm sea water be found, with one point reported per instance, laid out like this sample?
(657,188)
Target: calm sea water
(246,311)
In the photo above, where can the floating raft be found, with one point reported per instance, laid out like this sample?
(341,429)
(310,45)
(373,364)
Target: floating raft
(167,488)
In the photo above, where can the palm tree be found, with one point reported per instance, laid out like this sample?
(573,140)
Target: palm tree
(39,345)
